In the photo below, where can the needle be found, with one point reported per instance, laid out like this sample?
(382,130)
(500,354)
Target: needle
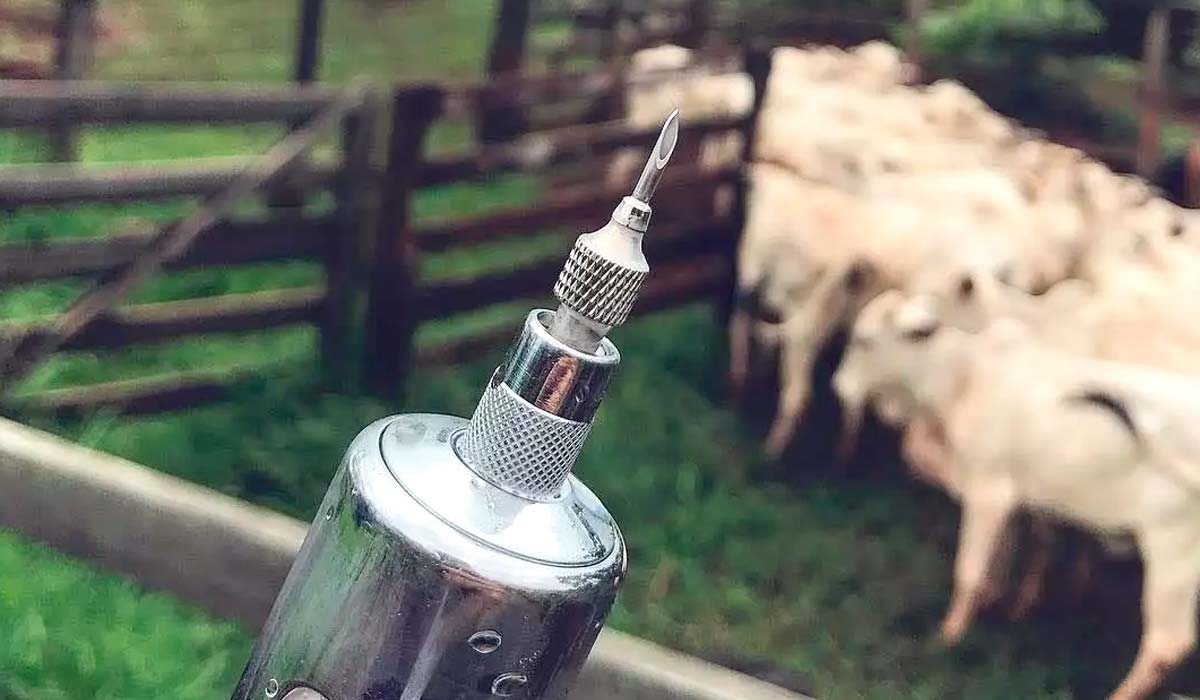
(663,148)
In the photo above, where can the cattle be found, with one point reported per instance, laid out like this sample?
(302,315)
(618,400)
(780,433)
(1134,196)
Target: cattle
(1101,444)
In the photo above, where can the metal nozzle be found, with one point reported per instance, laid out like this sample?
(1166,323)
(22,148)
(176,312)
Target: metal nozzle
(663,149)
(606,268)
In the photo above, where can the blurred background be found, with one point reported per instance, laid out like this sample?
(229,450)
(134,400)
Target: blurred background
(380,263)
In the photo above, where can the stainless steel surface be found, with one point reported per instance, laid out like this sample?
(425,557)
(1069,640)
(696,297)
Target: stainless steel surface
(605,270)
(304,694)
(412,555)
(597,287)
(659,156)
(554,376)
(535,414)
(519,447)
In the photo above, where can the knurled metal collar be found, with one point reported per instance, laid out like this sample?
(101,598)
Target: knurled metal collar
(531,423)
(597,288)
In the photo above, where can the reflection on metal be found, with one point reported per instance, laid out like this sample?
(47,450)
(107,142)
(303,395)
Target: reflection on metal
(304,694)
(508,685)
(485,641)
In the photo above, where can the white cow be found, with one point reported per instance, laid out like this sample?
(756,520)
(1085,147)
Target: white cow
(1099,444)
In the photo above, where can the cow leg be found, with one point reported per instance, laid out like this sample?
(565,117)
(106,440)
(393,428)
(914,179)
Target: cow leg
(739,350)
(1172,563)
(925,450)
(987,508)
(1081,573)
(803,335)
(1033,581)
(852,420)
(796,362)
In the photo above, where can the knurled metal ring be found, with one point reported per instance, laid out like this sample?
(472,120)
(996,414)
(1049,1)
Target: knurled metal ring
(598,288)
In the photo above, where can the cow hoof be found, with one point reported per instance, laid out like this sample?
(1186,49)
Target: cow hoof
(952,632)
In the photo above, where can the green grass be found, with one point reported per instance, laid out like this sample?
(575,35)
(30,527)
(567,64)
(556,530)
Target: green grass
(72,633)
(840,580)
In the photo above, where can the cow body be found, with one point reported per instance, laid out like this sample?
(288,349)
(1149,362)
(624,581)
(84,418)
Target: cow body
(1104,445)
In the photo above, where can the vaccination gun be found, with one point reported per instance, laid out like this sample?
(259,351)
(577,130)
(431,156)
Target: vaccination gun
(457,559)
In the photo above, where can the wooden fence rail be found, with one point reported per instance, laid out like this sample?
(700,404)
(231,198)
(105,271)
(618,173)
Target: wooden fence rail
(62,184)
(691,248)
(214,234)
(400,300)
(287,237)
(31,103)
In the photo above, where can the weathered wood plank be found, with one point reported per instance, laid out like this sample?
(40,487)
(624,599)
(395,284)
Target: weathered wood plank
(391,320)
(23,69)
(536,152)
(26,20)
(490,341)
(308,41)
(73,56)
(35,103)
(135,397)
(227,243)
(148,324)
(695,279)
(535,280)
(342,250)
(62,184)
(676,197)
(671,285)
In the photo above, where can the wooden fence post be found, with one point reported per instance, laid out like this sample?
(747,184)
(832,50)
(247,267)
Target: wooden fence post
(699,22)
(75,35)
(1151,98)
(391,316)
(308,40)
(506,58)
(913,48)
(611,54)
(342,247)
(756,61)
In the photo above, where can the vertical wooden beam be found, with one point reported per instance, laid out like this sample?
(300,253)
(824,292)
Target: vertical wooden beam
(1191,175)
(391,316)
(1151,98)
(611,53)
(699,22)
(914,11)
(308,56)
(756,61)
(308,40)
(606,36)
(75,34)
(342,247)
(506,58)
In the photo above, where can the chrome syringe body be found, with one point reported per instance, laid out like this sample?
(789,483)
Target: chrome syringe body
(457,559)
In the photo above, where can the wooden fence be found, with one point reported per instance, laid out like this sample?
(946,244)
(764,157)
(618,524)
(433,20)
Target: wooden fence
(691,248)
(72,35)
(213,235)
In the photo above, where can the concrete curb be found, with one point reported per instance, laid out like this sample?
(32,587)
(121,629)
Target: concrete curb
(231,557)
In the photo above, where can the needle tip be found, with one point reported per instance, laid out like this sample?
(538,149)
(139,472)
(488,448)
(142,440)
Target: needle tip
(667,139)
(663,149)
